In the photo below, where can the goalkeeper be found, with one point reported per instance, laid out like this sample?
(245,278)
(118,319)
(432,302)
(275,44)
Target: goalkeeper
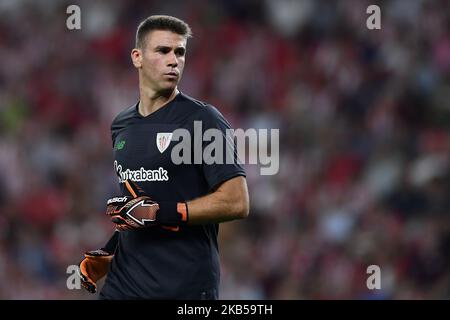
(167,215)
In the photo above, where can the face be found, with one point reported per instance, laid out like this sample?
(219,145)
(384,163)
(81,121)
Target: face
(161,61)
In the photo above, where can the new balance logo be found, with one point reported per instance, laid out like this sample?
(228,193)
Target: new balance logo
(120,145)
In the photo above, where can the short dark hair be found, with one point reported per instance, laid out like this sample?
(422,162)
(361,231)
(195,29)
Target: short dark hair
(161,22)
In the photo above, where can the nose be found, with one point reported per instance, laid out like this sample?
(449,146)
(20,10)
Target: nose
(172,60)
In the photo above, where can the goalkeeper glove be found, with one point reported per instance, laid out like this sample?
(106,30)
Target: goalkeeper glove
(95,264)
(140,212)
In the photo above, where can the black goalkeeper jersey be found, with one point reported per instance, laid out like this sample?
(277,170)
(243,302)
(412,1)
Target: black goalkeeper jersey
(156,263)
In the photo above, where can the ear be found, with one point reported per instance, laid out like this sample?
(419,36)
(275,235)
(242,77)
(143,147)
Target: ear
(136,57)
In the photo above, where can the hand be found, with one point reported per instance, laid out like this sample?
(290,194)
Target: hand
(132,213)
(93,267)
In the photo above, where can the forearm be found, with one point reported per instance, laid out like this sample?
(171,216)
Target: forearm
(111,245)
(229,202)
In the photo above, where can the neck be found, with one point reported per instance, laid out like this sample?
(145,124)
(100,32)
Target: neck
(151,101)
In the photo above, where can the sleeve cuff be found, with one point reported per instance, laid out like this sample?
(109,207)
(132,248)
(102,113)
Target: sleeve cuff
(172,214)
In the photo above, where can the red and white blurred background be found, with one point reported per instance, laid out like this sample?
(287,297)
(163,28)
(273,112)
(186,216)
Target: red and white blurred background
(364,118)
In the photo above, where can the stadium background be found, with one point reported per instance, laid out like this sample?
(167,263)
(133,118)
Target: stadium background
(364,140)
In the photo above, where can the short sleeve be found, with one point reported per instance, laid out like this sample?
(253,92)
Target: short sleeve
(217,166)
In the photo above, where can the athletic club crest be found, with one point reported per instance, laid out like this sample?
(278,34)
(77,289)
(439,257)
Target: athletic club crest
(163,141)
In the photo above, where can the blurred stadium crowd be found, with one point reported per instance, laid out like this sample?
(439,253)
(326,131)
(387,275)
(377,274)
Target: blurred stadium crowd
(364,120)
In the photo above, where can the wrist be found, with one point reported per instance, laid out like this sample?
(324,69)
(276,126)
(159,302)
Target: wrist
(172,214)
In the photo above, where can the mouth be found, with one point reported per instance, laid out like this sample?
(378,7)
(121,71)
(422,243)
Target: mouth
(172,74)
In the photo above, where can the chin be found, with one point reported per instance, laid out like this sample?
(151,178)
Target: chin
(168,89)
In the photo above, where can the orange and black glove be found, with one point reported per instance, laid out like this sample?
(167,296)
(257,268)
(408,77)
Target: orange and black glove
(141,212)
(95,264)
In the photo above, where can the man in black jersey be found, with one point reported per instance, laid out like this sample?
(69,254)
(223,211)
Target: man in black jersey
(168,213)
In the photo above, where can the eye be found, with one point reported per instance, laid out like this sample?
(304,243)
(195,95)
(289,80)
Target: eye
(180,52)
(163,50)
